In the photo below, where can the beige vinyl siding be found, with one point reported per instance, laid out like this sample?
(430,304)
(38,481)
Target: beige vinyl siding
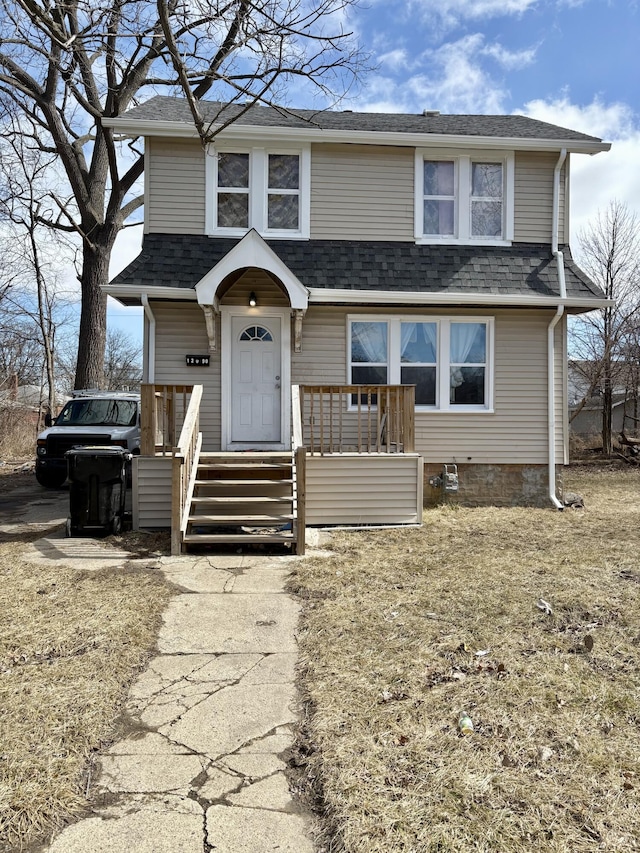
(181,331)
(534,198)
(362,192)
(514,433)
(349,489)
(151,486)
(175,191)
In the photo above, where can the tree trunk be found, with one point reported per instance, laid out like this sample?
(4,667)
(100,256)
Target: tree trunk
(607,411)
(93,317)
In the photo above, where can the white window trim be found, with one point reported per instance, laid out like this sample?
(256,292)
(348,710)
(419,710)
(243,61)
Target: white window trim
(462,205)
(258,189)
(443,404)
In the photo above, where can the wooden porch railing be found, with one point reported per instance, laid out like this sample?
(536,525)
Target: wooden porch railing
(357,418)
(300,467)
(184,469)
(163,410)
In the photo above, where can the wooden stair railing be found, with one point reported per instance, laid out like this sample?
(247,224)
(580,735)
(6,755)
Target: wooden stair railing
(184,468)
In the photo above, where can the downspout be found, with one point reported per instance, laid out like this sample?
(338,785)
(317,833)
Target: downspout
(551,363)
(151,339)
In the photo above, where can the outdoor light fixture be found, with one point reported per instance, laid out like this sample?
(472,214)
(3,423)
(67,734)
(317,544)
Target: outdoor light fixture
(253,299)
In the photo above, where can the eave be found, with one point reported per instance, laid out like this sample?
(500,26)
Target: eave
(184,130)
(129,295)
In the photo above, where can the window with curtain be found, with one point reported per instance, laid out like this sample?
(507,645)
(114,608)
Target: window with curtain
(467,363)
(448,359)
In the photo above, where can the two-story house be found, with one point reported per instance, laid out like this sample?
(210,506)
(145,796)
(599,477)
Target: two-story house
(422,257)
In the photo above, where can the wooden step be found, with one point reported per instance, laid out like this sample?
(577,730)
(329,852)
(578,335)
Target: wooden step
(245,520)
(236,538)
(242,500)
(253,483)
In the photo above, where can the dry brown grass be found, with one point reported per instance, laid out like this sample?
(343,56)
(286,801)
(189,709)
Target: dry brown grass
(70,644)
(17,434)
(391,631)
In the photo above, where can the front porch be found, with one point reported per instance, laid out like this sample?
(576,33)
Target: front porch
(350,460)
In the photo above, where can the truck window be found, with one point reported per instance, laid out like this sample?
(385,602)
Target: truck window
(99,412)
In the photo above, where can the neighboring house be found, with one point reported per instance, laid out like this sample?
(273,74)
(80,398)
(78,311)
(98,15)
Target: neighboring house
(338,248)
(587,423)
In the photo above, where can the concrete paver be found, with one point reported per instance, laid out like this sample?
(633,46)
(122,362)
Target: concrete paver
(201,768)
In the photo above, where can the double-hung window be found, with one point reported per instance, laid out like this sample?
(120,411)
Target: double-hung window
(255,187)
(448,359)
(464,198)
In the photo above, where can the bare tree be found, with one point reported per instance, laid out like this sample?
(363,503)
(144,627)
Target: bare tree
(32,305)
(122,362)
(610,254)
(67,64)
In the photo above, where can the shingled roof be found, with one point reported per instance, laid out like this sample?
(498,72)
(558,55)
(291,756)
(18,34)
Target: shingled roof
(523,269)
(166,109)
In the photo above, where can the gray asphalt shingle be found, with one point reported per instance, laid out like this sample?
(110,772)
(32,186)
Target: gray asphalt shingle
(175,260)
(166,109)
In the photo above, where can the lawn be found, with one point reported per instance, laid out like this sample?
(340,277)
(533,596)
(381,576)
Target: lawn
(529,621)
(70,644)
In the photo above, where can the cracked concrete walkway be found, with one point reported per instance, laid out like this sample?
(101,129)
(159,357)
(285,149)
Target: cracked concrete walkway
(202,768)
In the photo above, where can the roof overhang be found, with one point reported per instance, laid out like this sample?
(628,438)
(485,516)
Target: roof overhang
(321,296)
(237,131)
(131,295)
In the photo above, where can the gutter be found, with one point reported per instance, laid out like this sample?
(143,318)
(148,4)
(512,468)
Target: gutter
(551,362)
(330,296)
(151,339)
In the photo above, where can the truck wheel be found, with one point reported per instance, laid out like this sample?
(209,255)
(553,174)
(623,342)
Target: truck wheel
(50,479)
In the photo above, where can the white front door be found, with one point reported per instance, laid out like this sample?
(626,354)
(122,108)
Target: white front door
(256,381)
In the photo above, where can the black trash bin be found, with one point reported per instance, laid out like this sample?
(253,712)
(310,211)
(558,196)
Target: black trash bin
(97,491)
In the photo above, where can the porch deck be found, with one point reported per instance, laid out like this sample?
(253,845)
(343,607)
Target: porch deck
(352,462)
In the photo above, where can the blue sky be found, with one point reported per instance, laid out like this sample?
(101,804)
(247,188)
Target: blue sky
(575,63)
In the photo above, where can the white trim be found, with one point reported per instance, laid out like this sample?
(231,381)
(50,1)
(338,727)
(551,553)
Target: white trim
(132,127)
(462,227)
(337,296)
(227,312)
(258,189)
(251,251)
(124,291)
(321,295)
(145,193)
(443,322)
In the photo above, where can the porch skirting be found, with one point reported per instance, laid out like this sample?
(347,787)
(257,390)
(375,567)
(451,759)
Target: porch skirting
(494,485)
(344,488)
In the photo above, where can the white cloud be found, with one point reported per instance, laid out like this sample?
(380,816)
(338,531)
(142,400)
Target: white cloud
(451,79)
(512,60)
(595,181)
(450,13)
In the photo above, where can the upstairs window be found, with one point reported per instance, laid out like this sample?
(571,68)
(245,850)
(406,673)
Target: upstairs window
(464,199)
(486,199)
(233,190)
(257,188)
(439,197)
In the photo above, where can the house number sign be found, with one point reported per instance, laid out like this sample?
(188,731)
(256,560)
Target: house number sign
(197,360)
